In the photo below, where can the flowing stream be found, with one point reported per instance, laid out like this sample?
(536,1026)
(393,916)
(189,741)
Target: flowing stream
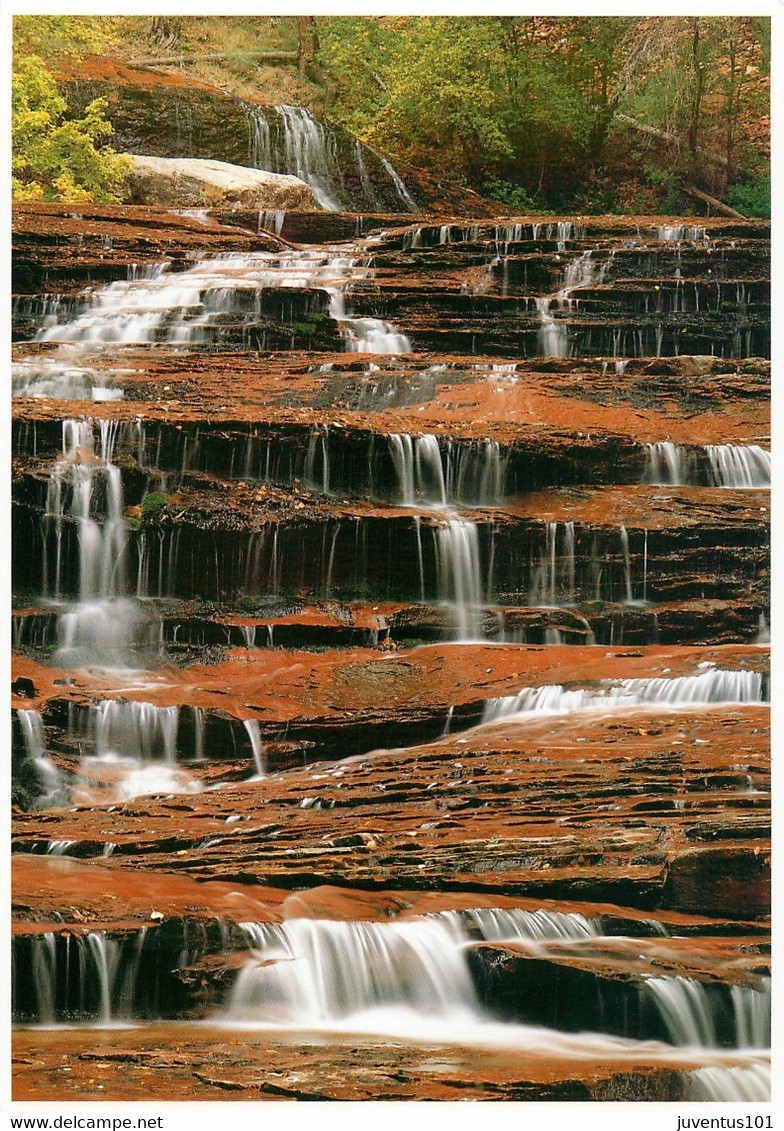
(415,977)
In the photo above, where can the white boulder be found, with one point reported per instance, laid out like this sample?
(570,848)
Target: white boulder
(192,182)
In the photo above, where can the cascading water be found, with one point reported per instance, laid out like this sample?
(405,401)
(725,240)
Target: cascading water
(736,1084)
(553,578)
(553,336)
(688,1012)
(710,687)
(312,972)
(307,972)
(493,924)
(49,782)
(190,307)
(417,461)
(667,464)
(134,748)
(437,476)
(476,476)
(627,565)
(257,746)
(737,466)
(90,977)
(459,575)
(295,142)
(104,622)
(413,978)
(728,465)
(64,379)
(674,233)
(303,972)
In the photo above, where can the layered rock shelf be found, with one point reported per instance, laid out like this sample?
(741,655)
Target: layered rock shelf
(390,606)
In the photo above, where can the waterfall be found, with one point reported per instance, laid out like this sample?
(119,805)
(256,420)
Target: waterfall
(298,144)
(135,730)
(710,687)
(692,1019)
(134,751)
(257,746)
(492,924)
(307,971)
(738,1083)
(751,1009)
(64,380)
(737,466)
(685,1009)
(105,622)
(476,475)
(319,441)
(579,273)
(667,464)
(373,335)
(44,971)
(417,463)
(190,307)
(729,465)
(311,971)
(675,233)
(627,568)
(554,576)
(553,338)
(472,475)
(458,573)
(97,982)
(310,153)
(49,777)
(198,734)
(400,185)
(271,220)
(105,954)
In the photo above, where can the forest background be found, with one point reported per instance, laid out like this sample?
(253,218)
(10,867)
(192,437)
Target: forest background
(543,114)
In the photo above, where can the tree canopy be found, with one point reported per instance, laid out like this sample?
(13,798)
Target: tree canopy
(580,111)
(55,157)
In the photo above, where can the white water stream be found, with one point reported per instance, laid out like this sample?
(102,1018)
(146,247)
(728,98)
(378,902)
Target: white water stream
(190,307)
(709,687)
(735,466)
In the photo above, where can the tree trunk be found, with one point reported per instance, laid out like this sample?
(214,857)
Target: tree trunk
(715,204)
(699,80)
(308,45)
(165,30)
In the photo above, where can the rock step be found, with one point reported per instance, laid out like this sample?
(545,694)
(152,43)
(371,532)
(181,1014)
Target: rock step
(188,632)
(191,1066)
(217,542)
(551,402)
(664,828)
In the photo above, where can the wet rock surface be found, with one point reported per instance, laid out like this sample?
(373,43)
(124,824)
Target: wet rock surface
(204,1065)
(292,518)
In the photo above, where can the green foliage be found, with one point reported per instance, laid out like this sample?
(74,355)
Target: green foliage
(515,196)
(561,110)
(752,198)
(56,157)
(153,504)
(543,113)
(424,86)
(51,37)
(670,199)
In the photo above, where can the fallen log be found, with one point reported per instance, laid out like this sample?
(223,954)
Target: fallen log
(170,60)
(715,204)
